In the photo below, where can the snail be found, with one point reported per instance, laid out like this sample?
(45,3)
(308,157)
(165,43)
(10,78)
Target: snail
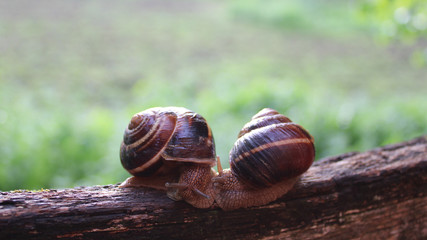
(171,149)
(267,159)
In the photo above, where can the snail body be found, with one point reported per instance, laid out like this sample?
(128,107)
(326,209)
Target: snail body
(170,149)
(266,161)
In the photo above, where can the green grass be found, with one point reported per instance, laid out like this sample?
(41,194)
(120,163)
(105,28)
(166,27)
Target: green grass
(73,74)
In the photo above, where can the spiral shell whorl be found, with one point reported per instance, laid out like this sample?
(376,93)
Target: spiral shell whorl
(145,139)
(169,135)
(263,118)
(271,148)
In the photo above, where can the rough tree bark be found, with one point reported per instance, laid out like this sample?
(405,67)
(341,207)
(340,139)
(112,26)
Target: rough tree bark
(378,194)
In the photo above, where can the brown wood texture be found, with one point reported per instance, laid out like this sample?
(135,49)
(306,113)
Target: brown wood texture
(379,194)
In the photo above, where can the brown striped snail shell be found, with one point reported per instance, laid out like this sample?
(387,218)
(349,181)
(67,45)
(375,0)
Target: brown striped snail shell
(265,162)
(172,149)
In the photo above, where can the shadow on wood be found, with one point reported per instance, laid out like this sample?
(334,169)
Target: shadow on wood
(375,195)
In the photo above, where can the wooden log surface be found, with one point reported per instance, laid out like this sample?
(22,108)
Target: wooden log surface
(377,194)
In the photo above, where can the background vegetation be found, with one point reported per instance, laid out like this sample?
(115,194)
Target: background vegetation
(72,73)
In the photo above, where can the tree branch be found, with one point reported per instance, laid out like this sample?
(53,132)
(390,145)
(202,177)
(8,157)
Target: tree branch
(378,194)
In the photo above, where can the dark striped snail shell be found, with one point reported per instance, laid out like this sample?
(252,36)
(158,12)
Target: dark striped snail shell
(265,162)
(170,148)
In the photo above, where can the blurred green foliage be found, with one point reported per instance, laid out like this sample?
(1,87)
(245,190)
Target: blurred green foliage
(73,74)
(399,20)
(322,17)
